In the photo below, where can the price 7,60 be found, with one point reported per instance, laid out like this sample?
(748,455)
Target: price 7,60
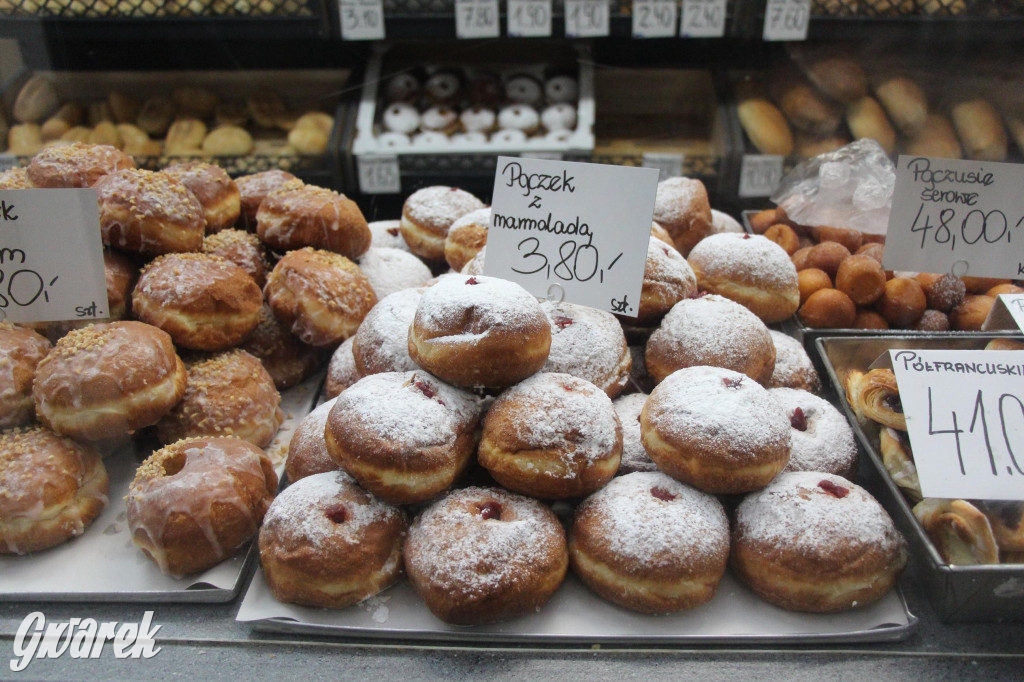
(1007,407)
(579,262)
(976,225)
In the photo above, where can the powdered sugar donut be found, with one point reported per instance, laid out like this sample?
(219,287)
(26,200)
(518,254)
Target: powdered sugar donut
(475,266)
(466,237)
(589,344)
(341,370)
(381,343)
(509,138)
(484,554)
(821,439)
(793,366)
(723,222)
(559,117)
(715,429)
(816,542)
(668,279)
(404,436)
(634,457)
(387,234)
(391,270)
(428,213)
(326,542)
(561,88)
(440,118)
(711,330)
(401,118)
(650,543)
(478,119)
(552,436)
(524,89)
(307,450)
(681,207)
(519,117)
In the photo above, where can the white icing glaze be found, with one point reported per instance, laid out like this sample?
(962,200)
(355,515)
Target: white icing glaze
(561,89)
(518,117)
(478,119)
(387,234)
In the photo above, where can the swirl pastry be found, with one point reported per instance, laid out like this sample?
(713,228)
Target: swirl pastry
(898,460)
(876,396)
(960,532)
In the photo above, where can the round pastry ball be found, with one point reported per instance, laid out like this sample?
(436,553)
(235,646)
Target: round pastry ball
(296,217)
(51,489)
(108,379)
(319,296)
(902,302)
(711,330)
(21,350)
(749,269)
(650,543)
(307,450)
(481,555)
(287,360)
(971,313)
(793,366)
(196,501)
(391,270)
(326,542)
(242,248)
(716,430)
(552,436)
(861,278)
(216,191)
(589,344)
(254,188)
(381,344)
(204,302)
(816,542)
(828,309)
(75,165)
(821,439)
(681,207)
(428,213)
(668,279)
(341,370)
(479,331)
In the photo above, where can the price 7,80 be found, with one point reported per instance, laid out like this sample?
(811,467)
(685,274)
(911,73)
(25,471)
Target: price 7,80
(970,228)
(1007,407)
(579,262)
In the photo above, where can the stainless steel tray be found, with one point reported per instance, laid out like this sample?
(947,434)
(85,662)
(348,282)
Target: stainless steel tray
(958,593)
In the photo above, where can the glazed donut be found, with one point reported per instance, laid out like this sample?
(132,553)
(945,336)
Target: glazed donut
(307,450)
(828,309)
(341,370)
(287,360)
(551,436)
(681,207)
(821,439)
(816,542)
(650,543)
(15,178)
(392,270)
(749,269)
(328,543)
(75,165)
(215,190)
(400,117)
(404,436)
(509,138)
(227,394)
(484,554)
(381,344)
(634,457)
(466,236)
(244,249)
(874,395)
(668,279)
(403,87)
(959,531)
(254,188)
(292,218)
(443,87)
(51,489)
(861,278)
(428,213)
(194,502)
(149,213)
(715,429)
(319,296)
(21,350)
(793,366)
(589,344)
(561,88)
(902,302)
(120,274)
(108,379)
(479,331)
(711,330)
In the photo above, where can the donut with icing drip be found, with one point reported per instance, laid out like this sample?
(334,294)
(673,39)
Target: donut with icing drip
(149,213)
(286,359)
(216,191)
(254,188)
(292,218)
(21,350)
(75,165)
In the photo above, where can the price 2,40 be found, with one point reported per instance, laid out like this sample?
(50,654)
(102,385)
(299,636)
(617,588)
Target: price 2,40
(576,262)
(1007,407)
(976,225)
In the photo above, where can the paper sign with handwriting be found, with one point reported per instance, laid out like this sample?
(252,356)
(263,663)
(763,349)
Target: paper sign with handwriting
(1006,313)
(51,256)
(964,217)
(581,228)
(965,418)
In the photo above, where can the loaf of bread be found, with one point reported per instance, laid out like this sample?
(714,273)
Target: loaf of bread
(766,127)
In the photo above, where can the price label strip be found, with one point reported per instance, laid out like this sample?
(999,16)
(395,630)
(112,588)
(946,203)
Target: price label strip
(477,19)
(786,20)
(965,419)
(702,19)
(379,174)
(760,174)
(579,227)
(655,18)
(51,256)
(361,19)
(670,165)
(586,18)
(964,217)
(529,18)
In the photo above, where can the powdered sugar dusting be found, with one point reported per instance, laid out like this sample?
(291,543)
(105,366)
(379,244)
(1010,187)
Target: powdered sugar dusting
(793,367)
(667,266)
(754,258)
(827,444)
(711,330)
(474,220)
(634,456)
(586,343)
(390,270)
(439,206)
(382,340)
(308,438)
(677,198)
(477,307)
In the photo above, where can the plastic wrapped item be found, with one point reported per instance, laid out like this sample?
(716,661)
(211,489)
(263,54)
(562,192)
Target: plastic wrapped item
(850,187)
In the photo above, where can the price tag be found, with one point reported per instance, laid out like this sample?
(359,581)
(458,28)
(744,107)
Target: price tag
(786,19)
(7,162)
(670,165)
(51,256)
(582,228)
(964,217)
(476,19)
(586,18)
(759,175)
(361,19)
(965,419)
(702,19)
(1006,312)
(654,18)
(529,18)
(379,174)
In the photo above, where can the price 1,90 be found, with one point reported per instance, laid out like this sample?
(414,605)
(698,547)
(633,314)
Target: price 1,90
(575,262)
(951,227)
(991,421)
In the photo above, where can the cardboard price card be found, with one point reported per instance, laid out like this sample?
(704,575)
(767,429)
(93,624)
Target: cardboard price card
(965,419)
(963,217)
(580,228)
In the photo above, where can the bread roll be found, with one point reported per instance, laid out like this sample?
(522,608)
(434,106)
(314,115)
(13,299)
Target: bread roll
(765,126)
(808,111)
(866,118)
(36,100)
(935,139)
(905,103)
(839,78)
(980,129)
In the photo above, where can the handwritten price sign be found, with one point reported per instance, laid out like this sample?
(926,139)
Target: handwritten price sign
(361,19)
(965,418)
(477,19)
(964,217)
(51,256)
(583,227)
(786,19)
(703,19)
(529,18)
(586,18)
(654,18)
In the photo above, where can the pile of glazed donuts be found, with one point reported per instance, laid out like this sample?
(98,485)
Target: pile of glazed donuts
(842,284)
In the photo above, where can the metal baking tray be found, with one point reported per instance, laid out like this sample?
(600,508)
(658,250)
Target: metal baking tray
(103,565)
(958,593)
